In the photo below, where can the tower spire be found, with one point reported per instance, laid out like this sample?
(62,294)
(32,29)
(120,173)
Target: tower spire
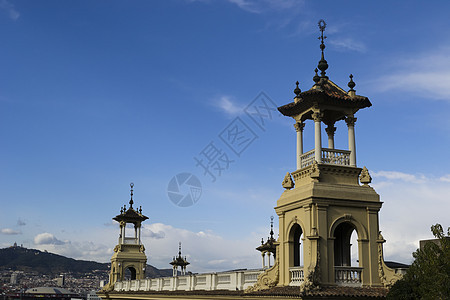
(131,194)
(179,249)
(323,65)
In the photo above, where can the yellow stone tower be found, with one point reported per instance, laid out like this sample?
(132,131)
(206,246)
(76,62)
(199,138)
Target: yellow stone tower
(328,198)
(129,253)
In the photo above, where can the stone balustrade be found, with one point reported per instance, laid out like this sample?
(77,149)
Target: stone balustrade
(329,156)
(297,276)
(233,280)
(348,276)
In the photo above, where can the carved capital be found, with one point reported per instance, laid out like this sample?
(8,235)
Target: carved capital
(299,126)
(330,130)
(350,120)
(317,116)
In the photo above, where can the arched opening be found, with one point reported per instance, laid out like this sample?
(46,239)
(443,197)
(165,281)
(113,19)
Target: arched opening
(130,273)
(296,246)
(344,234)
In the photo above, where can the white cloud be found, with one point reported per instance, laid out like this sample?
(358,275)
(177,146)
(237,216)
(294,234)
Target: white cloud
(46,238)
(9,231)
(205,250)
(426,74)
(395,175)
(228,106)
(411,204)
(445,178)
(10,9)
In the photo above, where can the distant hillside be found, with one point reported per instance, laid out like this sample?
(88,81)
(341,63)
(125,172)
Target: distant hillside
(23,259)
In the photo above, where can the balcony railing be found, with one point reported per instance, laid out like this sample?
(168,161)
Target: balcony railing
(297,276)
(329,156)
(347,276)
(131,240)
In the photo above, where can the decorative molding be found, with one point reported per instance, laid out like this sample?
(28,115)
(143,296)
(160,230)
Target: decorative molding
(365,177)
(287,182)
(315,171)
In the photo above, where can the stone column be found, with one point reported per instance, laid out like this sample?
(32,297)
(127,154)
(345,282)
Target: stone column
(139,234)
(317,137)
(330,132)
(350,120)
(299,129)
(263,260)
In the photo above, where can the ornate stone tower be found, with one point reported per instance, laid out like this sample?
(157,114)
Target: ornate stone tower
(129,253)
(325,203)
(179,261)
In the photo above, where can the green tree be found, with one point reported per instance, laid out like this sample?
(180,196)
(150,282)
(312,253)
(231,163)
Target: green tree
(429,275)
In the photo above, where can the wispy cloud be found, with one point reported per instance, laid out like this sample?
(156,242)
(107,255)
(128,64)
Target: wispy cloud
(426,74)
(260,6)
(9,231)
(347,44)
(395,175)
(445,178)
(228,105)
(10,9)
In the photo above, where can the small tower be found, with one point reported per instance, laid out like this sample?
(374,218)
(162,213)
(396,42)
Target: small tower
(326,203)
(129,253)
(179,261)
(269,247)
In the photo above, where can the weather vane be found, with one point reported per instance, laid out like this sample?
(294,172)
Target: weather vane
(322,26)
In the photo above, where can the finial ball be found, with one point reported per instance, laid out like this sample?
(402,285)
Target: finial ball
(131,185)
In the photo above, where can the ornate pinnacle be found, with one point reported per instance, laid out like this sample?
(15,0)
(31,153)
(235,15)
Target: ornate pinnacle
(323,65)
(131,193)
(179,249)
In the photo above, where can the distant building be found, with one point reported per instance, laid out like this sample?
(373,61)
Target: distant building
(60,281)
(422,243)
(44,293)
(15,277)
(92,295)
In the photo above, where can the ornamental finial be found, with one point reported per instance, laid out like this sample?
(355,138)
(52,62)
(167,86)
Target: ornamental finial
(179,249)
(316,77)
(131,194)
(351,84)
(323,65)
(271,227)
(297,90)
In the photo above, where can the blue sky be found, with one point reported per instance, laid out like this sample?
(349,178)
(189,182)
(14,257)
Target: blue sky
(96,94)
